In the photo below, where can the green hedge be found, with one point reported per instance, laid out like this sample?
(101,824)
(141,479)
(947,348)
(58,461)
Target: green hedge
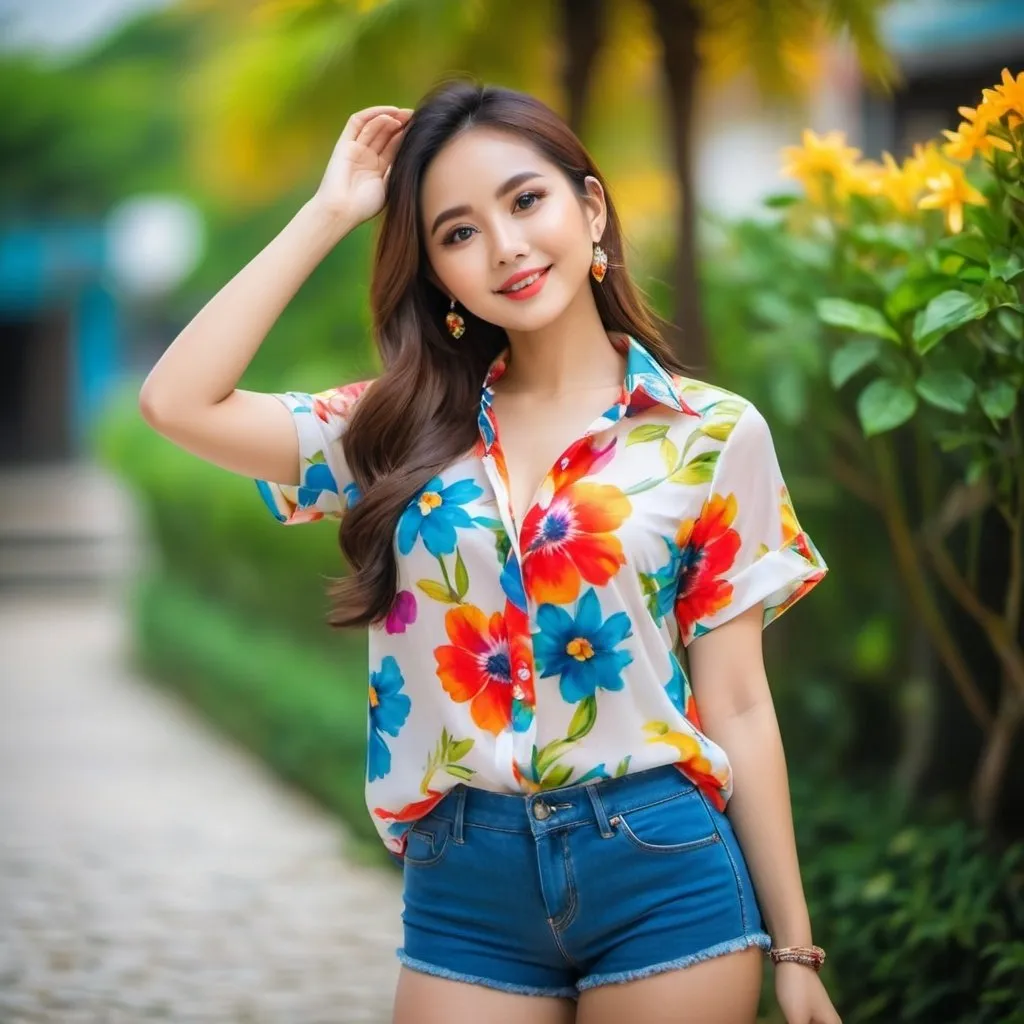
(300,708)
(922,920)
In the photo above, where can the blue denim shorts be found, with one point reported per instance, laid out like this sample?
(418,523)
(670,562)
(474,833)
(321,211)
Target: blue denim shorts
(553,893)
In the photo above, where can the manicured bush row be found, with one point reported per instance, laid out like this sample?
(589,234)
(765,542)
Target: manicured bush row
(299,708)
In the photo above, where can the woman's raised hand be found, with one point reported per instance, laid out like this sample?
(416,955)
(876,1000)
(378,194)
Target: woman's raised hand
(353,184)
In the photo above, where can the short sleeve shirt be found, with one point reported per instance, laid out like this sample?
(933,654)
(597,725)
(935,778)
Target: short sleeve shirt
(520,657)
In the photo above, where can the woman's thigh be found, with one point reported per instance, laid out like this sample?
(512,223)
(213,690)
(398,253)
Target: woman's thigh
(723,990)
(428,999)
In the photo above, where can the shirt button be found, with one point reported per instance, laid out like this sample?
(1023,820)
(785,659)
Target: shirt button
(541,810)
(523,673)
(564,462)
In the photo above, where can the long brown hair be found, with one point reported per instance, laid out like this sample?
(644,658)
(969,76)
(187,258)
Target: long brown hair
(420,414)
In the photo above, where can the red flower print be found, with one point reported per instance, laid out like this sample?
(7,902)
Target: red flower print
(570,538)
(708,546)
(413,811)
(338,401)
(476,666)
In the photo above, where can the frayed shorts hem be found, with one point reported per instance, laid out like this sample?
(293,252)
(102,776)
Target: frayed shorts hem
(759,939)
(474,979)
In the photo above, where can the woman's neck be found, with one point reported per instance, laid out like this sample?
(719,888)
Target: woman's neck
(570,354)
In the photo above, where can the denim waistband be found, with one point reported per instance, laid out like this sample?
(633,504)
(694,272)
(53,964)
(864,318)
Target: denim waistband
(555,809)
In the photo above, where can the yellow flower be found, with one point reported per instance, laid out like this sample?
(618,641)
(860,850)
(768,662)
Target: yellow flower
(865,178)
(820,160)
(972,135)
(899,186)
(949,191)
(1007,98)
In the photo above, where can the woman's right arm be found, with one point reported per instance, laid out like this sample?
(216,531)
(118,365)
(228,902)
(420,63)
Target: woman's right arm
(191,395)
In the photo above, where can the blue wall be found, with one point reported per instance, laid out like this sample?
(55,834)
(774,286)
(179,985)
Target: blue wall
(63,266)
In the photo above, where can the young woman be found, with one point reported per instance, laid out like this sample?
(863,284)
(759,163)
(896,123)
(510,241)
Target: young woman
(544,519)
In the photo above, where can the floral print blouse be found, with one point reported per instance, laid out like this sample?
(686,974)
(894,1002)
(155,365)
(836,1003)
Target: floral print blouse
(523,656)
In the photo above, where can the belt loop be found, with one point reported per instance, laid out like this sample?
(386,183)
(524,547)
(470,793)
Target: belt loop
(599,812)
(460,809)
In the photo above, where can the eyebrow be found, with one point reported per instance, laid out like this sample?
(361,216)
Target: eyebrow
(458,211)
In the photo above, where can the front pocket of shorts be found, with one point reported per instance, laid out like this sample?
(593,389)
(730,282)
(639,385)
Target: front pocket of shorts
(426,845)
(675,826)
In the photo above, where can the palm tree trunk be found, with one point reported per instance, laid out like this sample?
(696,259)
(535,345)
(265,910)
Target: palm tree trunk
(583,25)
(678,24)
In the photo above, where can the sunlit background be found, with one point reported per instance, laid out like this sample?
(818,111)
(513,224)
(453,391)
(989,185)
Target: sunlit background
(823,197)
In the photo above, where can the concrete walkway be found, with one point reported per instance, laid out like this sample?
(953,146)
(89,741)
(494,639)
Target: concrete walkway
(151,871)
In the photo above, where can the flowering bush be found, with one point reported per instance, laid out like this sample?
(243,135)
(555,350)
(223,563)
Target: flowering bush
(895,329)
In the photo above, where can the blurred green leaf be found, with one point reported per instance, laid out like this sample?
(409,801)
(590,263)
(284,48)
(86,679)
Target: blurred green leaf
(884,405)
(945,313)
(946,389)
(998,399)
(1006,264)
(851,359)
(856,317)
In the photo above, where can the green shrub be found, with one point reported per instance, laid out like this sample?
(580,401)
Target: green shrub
(299,708)
(923,922)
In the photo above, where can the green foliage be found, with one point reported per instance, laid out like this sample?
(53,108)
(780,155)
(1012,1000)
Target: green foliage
(922,920)
(77,137)
(301,709)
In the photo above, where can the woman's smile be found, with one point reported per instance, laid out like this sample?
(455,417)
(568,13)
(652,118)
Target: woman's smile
(526,287)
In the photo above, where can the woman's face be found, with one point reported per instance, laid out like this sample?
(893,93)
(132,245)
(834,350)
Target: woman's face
(493,207)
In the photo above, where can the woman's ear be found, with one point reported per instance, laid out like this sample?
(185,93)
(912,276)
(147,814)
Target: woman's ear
(595,206)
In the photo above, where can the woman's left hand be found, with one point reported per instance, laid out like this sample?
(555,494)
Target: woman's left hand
(802,997)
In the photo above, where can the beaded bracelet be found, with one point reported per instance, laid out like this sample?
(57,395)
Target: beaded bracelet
(809,956)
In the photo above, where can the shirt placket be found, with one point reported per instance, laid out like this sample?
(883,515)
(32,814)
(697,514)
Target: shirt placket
(514,745)
(511,744)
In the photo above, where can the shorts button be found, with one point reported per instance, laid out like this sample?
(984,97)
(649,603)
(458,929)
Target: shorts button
(541,810)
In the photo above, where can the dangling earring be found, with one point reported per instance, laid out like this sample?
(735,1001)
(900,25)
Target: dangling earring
(599,264)
(456,325)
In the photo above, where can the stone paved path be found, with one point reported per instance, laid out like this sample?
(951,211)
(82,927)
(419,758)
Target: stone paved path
(151,871)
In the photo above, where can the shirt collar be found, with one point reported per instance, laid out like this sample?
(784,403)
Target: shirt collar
(647,383)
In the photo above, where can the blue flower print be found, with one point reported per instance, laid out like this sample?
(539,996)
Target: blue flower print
(315,480)
(512,582)
(352,494)
(581,650)
(676,687)
(660,587)
(435,514)
(389,708)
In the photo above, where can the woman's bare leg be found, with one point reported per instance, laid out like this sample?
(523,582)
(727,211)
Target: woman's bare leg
(426,999)
(724,990)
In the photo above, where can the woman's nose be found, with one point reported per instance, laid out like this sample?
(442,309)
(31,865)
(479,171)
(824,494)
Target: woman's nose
(508,247)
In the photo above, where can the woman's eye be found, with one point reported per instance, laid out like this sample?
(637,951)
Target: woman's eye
(456,236)
(532,196)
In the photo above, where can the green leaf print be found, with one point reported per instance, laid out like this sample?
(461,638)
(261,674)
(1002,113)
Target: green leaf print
(583,719)
(669,455)
(460,771)
(550,754)
(646,432)
(461,575)
(317,457)
(699,470)
(623,766)
(557,777)
(437,591)
(458,750)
